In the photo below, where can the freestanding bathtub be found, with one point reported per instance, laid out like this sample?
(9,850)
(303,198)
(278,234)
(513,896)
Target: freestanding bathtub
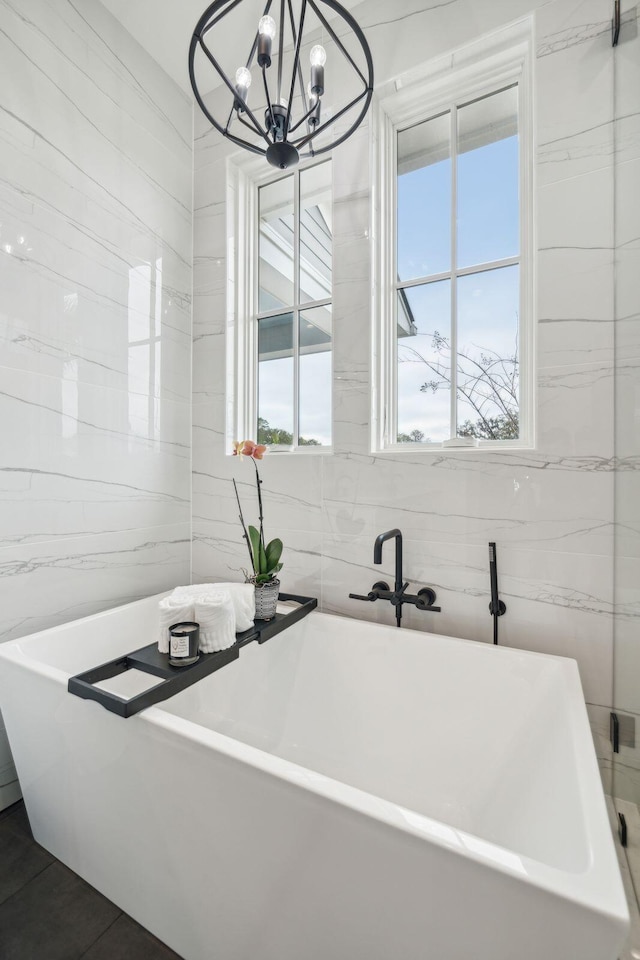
(346,791)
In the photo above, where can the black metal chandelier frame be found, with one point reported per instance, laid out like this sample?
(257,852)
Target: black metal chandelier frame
(280,150)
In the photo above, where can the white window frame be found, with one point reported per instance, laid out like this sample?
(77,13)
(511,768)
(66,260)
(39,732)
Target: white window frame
(246,174)
(486,66)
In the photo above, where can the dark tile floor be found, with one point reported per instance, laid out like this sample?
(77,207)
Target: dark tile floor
(48,913)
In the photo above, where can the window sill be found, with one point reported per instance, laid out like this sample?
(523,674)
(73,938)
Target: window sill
(313,450)
(486,446)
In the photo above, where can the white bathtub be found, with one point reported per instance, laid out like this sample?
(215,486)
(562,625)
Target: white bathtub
(346,791)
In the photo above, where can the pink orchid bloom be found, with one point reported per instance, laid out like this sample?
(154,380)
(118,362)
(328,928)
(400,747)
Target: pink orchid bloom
(247,448)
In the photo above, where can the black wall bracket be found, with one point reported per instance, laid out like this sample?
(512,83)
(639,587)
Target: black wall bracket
(615,23)
(622,829)
(614,732)
(622,731)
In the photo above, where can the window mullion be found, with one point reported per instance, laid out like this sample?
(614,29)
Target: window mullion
(454,275)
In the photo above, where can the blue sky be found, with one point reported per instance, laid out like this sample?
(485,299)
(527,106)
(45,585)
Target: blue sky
(488,302)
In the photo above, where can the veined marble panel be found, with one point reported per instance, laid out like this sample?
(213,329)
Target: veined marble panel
(565,24)
(556,603)
(211,171)
(574,83)
(49,583)
(627,494)
(628,201)
(628,302)
(70,302)
(209,356)
(42,174)
(209,280)
(209,436)
(116,155)
(86,460)
(627,689)
(575,410)
(530,502)
(628,412)
(577,213)
(574,306)
(627,61)
(114,60)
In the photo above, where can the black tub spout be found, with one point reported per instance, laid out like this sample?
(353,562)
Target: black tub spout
(377,553)
(424,599)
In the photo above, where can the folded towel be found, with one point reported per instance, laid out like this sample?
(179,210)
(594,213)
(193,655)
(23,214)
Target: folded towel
(172,610)
(243,596)
(215,613)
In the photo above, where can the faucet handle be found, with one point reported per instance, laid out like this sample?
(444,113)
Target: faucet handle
(380,585)
(427,598)
(359,596)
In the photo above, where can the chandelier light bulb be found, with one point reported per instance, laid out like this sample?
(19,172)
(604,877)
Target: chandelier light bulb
(267,27)
(243,78)
(318,56)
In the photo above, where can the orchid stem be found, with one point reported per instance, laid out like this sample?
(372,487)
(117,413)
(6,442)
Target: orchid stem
(258,482)
(246,535)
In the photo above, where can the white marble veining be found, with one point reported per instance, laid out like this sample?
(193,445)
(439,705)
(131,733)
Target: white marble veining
(95,320)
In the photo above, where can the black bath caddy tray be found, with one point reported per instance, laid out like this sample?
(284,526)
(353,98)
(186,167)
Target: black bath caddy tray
(150,660)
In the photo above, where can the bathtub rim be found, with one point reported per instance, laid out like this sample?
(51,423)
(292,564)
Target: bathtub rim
(587,888)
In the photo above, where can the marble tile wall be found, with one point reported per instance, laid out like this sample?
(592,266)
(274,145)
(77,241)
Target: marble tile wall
(95,319)
(627,304)
(551,509)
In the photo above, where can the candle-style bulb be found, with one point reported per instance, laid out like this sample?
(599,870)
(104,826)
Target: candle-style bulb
(266,33)
(267,27)
(243,82)
(243,78)
(318,56)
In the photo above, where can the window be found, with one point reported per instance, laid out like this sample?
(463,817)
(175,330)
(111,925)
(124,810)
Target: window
(293,310)
(455,325)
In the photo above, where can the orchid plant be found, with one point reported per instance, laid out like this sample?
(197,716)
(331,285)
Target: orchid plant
(265,557)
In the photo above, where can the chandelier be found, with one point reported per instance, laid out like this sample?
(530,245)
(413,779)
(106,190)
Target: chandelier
(272,104)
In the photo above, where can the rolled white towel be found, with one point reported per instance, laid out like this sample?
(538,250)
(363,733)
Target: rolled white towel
(242,594)
(172,610)
(216,615)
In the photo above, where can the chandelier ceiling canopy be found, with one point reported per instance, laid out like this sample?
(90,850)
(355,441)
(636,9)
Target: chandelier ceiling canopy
(276,82)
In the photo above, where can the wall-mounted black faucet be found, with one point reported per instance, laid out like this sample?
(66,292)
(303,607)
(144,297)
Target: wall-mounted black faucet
(423,600)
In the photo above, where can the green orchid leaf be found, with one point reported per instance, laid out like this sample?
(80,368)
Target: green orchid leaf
(273,552)
(256,546)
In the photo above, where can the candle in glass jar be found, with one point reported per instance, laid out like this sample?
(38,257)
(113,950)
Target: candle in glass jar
(184,639)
